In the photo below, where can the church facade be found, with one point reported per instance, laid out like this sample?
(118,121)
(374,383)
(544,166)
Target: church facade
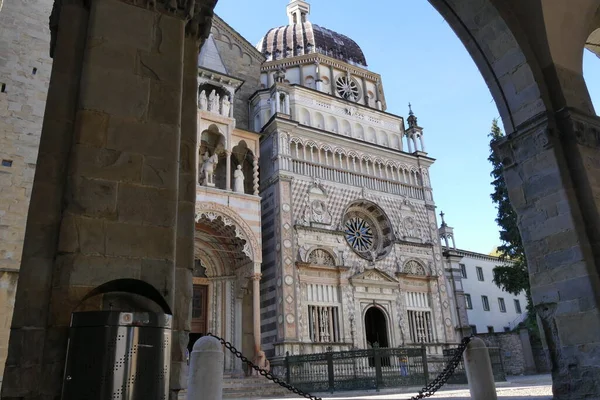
(350,251)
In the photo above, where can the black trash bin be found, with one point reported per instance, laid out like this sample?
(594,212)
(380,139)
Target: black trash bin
(114,355)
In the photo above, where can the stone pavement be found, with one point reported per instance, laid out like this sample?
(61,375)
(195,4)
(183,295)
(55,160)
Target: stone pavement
(533,387)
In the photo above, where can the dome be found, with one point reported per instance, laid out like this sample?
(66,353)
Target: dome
(299,38)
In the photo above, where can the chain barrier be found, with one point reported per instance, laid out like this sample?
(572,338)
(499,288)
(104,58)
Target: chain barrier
(446,373)
(426,391)
(263,372)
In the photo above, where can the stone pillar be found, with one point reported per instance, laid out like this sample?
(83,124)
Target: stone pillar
(105,198)
(228,170)
(551,169)
(478,368)
(256,309)
(255,182)
(185,216)
(206,370)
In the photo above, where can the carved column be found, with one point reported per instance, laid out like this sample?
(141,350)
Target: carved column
(256,308)
(255,184)
(228,170)
(551,167)
(105,198)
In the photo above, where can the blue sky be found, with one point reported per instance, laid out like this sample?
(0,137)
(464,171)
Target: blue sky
(421,61)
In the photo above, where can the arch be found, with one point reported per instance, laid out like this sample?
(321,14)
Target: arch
(319,121)
(368,230)
(382,139)
(309,82)
(321,256)
(332,124)
(514,55)
(396,142)
(305,116)
(339,150)
(377,327)
(414,267)
(359,131)
(237,49)
(243,231)
(370,135)
(346,128)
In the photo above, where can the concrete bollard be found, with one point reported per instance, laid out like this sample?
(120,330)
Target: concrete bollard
(205,380)
(479,371)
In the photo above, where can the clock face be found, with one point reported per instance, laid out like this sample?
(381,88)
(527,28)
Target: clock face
(347,88)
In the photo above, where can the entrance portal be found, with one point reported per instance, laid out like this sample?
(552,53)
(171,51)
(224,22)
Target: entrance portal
(376,328)
(199,314)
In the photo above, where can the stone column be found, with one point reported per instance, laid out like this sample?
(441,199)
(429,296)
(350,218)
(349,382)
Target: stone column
(228,170)
(256,308)
(106,193)
(551,169)
(185,216)
(255,181)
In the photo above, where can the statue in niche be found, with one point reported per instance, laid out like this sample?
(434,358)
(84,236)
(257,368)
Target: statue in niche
(238,180)
(226,106)
(217,106)
(209,163)
(203,101)
(211,101)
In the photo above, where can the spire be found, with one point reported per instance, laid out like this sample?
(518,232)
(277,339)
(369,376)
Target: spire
(298,11)
(412,119)
(446,233)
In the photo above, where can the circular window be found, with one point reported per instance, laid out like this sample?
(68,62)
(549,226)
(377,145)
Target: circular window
(368,230)
(359,234)
(347,88)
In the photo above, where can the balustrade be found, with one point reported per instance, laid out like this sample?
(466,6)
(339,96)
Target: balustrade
(353,178)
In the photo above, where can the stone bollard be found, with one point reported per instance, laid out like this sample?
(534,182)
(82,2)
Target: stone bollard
(205,381)
(479,371)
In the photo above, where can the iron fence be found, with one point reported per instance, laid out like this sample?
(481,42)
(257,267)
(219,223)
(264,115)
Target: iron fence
(374,368)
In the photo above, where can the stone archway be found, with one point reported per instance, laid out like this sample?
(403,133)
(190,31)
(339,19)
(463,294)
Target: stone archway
(551,157)
(532,65)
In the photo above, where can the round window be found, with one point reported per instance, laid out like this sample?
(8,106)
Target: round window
(359,234)
(347,88)
(368,230)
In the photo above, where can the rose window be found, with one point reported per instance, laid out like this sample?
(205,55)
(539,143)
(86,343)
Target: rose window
(359,234)
(347,88)
(367,230)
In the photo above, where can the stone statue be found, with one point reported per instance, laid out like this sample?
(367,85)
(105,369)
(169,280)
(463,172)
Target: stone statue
(217,107)
(211,101)
(261,362)
(203,101)
(238,180)
(209,163)
(226,106)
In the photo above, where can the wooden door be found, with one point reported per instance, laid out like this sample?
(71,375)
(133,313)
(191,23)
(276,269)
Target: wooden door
(199,309)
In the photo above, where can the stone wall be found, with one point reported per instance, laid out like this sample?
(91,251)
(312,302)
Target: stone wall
(511,350)
(25,68)
(242,61)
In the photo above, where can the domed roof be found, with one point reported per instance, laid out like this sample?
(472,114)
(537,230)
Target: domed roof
(299,38)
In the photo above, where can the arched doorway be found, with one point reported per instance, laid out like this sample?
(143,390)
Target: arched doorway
(223,295)
(376,331)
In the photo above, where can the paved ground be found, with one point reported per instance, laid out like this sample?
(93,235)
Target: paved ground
(533,387)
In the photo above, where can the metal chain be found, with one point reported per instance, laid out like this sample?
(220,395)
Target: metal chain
(263,372)
(426,391)
(446,373)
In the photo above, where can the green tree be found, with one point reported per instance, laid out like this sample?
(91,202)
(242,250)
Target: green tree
(513,278)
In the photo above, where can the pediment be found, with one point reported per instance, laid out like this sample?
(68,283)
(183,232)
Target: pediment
(373,276)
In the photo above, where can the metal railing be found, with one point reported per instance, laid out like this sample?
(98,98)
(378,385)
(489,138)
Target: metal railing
(374,368)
